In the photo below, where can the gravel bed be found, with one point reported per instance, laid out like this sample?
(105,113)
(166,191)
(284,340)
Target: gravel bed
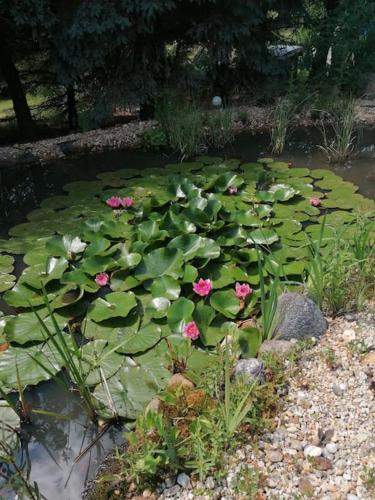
(324,438)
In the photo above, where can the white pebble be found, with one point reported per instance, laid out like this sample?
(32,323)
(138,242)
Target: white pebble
(332,447)
(312,451)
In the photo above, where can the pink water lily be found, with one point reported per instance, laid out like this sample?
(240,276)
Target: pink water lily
(202,287)
(191,330)
(242,290)
(232,189)
(314,201)
(114,202)
(127,201)
(102,279)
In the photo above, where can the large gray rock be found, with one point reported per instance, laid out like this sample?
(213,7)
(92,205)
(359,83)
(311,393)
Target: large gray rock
(298,317)
(250,369)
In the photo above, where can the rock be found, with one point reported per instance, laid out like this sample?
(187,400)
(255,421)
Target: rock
(369,359)
(169,482)
(173,492)
(178,380)
(154,405)
(332,448)
(210,483)
(250,369)
(339,389)
(312,451)
(305,487)
(275,456)
(279,347)
(184,480)
(298,317)
(348,335)
(322,463)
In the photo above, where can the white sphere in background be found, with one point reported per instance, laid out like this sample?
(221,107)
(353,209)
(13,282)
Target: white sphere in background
(217,101)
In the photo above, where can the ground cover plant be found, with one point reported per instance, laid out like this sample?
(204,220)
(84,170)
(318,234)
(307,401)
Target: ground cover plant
(138,275)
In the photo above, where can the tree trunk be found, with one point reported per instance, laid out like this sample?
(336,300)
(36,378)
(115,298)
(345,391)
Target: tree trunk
(10,73)
(72,108)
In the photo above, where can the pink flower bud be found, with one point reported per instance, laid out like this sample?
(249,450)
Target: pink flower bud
(102,279)
(315,202)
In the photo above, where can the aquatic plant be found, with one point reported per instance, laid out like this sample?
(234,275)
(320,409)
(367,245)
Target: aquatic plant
(121,279)
(280,122)
(339,145)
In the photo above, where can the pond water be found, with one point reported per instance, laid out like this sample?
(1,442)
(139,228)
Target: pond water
(53,444)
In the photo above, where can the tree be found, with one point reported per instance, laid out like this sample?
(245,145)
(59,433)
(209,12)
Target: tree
(10,73)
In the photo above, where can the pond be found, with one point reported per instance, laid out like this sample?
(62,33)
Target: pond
(53,444)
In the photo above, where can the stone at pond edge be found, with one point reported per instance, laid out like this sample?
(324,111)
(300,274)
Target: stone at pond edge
(297,317)
(250,370)
(278,347)
(178,380)
(184,480)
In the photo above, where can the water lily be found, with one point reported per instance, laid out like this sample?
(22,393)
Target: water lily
(114,202)
(127,201)
(202,287)
(242,290)
(191,330)
(102,279)
(232,189)
(314,201)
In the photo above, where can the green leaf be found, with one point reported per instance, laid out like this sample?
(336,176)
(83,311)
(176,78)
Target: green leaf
(158,307)
(115,304)
(226,303)
(194,246)
(249,340)
(263,237)
(65,246)
(160,262)
(167,287)
(26,327)
(180,313)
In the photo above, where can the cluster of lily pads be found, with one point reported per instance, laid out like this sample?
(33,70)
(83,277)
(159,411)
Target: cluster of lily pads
(121,260)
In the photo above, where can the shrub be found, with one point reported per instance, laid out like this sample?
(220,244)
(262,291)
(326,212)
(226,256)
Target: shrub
(154,138)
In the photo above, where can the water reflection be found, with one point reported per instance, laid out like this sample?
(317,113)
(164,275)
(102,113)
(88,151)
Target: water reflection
(52,444)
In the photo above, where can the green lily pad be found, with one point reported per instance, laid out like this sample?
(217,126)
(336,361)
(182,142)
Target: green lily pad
(180,313)
(160,262)
(115,304)
(226,303)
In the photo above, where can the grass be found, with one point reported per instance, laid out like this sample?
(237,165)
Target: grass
(6,105)
(340,146)
(280,123)
(70,353)
(192,130)
(340,272)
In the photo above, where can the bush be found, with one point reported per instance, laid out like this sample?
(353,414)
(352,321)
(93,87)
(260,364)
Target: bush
(154,138)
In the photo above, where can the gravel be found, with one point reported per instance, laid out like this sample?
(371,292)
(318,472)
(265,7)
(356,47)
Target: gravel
(324,438)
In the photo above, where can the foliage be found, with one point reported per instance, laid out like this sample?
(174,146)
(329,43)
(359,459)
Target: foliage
(118,53)
(340,147)
(192,430)
(344,281)
(281,120)
(190,129)
(218,221)
(154,138)
(344,29)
